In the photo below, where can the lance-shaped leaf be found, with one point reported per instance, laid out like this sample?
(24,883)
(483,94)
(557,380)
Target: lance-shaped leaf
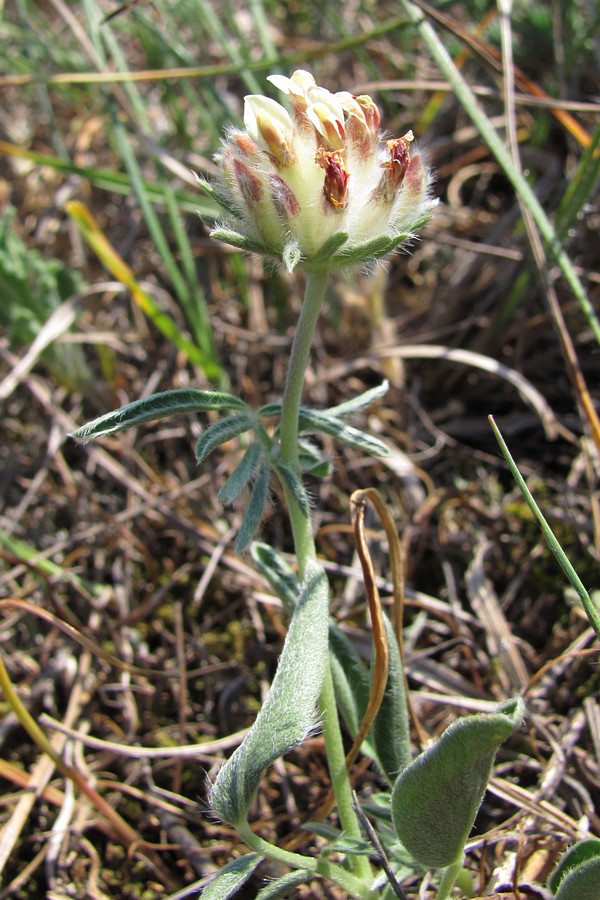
(369,250)
(362,401)
(241,476)
(312,421)
(231,877)
(278,573)
(331,245)
(241,241)
(350,680)
(219,432)
(436,798)
(289,477)
(157,406)
(288,714)
(577,856)
(284,886)
(256,507)
(390,732)
(312,461)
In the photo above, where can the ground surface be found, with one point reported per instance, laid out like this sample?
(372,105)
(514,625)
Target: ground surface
(125,542)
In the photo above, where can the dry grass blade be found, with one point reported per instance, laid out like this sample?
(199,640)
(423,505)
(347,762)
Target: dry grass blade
(501,640)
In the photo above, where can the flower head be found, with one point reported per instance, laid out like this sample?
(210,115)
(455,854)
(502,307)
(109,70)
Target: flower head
(317,186)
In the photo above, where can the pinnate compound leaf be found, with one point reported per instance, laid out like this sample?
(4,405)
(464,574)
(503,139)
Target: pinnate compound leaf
(579,853)
(157,406)
(436,798)
(288,714)
(241,476)
(256,507)
(278,573)
(231,877)
(219,432)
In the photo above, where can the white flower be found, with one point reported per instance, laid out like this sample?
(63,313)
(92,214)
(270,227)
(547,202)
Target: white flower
(317,186)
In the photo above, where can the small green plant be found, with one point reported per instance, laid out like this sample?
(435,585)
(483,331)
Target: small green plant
(313,187)
(33,288)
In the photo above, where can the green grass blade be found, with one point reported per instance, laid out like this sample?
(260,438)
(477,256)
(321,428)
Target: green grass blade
(561,558)
(495,143)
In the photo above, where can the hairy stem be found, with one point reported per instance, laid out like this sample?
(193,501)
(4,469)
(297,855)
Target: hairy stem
(304,545)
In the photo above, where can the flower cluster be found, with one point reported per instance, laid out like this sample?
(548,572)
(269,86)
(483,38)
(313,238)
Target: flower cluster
(317,186)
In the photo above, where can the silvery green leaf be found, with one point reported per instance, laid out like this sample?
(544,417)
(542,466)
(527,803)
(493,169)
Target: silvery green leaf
(231,877)
(241,476)
(294,483)
(312,461)
(357,404)
(278,573)
(436,798)
(330,247)
(270,410)
(222,431)
(288,714)
(281,888)
(241,241)
(256,507)
(402,238)
(157,406)
(314,421)
(576,855)
(581,882)
(350,680)
(219,196)
(390,733)
(364,252)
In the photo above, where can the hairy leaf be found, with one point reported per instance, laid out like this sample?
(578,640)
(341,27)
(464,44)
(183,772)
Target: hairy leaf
(219,432)
(294,483)
(357,404)
(281,888)
(256,507)
(350,679)
(241,241)
(330,247)
(436,798)
(288,713)
(582,882)
(157,406)
(231,877)
(313,421)
(241,475)
(278,573)
(579,853)
(390,733)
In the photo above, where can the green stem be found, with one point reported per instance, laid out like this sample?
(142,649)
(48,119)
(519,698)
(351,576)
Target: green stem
(352,885)
(448,880)
(304,546)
